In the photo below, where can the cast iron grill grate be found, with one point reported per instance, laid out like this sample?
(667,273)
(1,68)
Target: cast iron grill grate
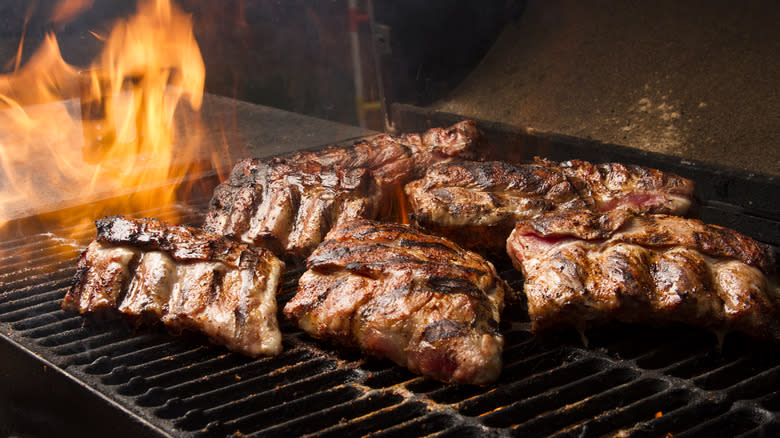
(636,380)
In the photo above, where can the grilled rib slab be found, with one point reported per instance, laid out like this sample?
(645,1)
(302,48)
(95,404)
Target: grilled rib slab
(151,271)
(289,203)
(397,293)
(478,203)
(583,267)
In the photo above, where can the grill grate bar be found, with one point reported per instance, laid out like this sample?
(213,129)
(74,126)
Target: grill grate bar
(536,385)
(712,379)
(573,415)
(47,327)
(87,344)
(306,405)
(222,383)
(735,422)
(757,385)
(420,426)
(542,359)
(252,398)
(258,383)
(630,416)
(34,321)
(170,374)
(45,308)
(674,354)
(155,368)
(469,431)
(389,376)
(693,366)
(328,415)
(32,283)
(40,245)
(28,300)
(376,421)
(547,403)
(52,259)
(264,403)
(155,349)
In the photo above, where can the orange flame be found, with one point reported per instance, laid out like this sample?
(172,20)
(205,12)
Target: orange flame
(70,135)
(402,207)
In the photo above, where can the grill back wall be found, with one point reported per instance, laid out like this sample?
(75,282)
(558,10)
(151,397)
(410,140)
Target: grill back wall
(91,377)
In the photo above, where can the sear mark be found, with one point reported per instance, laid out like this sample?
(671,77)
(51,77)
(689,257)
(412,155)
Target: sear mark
(442,329)
(451,285)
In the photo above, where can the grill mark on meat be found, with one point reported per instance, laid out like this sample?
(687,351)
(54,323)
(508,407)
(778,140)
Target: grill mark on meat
(288,203)
(452,285)
(149,291)
(386,287)
(330,258)
(313,221)
(478,203)
(370,270)
(384,304)
(376,269)
(371,229)
(407,243)
(324,257)
(323,295)
(332,252)
(442,329)
(351,226)
(685,284)
(421,264)
(658,231)
(149,271)
(645,268)
(215,286)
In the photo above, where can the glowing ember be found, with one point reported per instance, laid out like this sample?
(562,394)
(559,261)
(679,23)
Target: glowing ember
(115,127)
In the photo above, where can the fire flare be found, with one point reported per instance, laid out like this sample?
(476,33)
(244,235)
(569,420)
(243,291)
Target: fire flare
(126,123)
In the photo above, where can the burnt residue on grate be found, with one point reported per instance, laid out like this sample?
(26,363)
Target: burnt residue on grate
(631,379)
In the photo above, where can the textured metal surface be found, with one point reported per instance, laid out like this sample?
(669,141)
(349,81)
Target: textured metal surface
(643,380)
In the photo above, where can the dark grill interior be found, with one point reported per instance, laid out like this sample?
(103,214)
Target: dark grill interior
(630,379)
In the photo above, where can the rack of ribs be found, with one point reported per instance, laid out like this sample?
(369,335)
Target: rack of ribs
(288,203)
(397,293)
(478,203)
(149,271)
(583,267)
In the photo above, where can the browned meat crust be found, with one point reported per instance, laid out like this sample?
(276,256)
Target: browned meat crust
(583,267)
(616,186)
(151,271)
(478,203)
(288,203)
(397,293)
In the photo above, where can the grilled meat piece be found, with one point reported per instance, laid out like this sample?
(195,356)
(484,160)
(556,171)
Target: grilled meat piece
(397,293)
(583,267)
(288,203)
(616,186)
(151,271)
(478,203)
